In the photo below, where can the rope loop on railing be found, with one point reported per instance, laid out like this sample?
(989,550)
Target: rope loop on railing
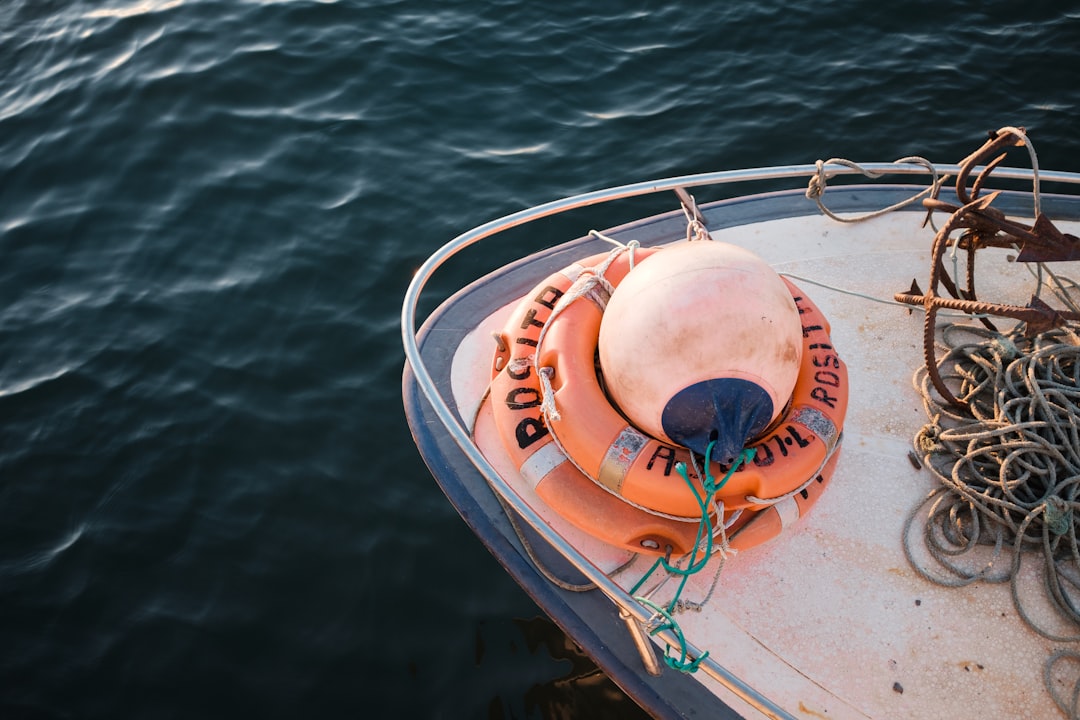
(815,189)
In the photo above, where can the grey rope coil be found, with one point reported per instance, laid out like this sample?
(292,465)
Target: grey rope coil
(1009,473)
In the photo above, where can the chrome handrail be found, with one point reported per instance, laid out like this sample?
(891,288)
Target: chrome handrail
(461,436)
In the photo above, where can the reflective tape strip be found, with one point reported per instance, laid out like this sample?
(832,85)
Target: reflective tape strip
(816,422)
(788,512)
(572,272)
(619,457)
(540,463)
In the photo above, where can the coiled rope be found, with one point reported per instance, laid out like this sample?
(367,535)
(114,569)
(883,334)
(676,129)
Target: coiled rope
(1009,472)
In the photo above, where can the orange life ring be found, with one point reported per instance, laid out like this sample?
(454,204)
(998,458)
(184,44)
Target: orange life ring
(516,396)
(640,469)
(755,528)
(794,458)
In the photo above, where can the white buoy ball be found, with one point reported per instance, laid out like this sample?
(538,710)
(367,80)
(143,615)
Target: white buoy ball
(701,341)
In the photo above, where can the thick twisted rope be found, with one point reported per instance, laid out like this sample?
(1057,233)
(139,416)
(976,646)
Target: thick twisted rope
(1008,468)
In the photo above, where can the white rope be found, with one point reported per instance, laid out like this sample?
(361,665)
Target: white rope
(631,246)
(815,190)
(547,407)
(591,282)
(695,229)
(1019,132)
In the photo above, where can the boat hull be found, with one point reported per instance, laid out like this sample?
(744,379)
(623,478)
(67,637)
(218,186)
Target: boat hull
(828,620)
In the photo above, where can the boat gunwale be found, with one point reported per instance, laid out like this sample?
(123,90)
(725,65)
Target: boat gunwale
(461,436)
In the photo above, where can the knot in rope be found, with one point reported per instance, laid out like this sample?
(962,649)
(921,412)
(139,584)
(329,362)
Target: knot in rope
(664,620)
(630,247)
(547,406)
(697,559)
(927,440)
(1005,347)
(1058,515)
(696,231)
(519,365)
(815,188)
(709,483)
(818,182)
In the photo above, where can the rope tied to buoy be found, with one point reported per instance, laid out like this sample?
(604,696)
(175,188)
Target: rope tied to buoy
(664,615)
(592,284)
(1008,464)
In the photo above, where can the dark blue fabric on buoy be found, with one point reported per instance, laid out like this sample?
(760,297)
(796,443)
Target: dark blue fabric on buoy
(729,410)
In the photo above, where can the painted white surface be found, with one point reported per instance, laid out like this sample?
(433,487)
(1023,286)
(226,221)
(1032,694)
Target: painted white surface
(829,620)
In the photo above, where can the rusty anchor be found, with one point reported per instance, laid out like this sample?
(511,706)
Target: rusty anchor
(983,226)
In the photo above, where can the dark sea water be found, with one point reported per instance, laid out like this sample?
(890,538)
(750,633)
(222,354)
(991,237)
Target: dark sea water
(210,503)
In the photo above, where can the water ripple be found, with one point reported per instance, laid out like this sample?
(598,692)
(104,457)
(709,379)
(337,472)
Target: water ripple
(209,211)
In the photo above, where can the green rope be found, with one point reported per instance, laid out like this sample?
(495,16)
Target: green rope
(696,564)
(670,623)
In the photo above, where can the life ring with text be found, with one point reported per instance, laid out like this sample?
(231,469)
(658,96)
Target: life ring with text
(516,396)
(589,440)
(640,469)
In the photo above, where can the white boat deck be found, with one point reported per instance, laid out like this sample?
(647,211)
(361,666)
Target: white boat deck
(830,620)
